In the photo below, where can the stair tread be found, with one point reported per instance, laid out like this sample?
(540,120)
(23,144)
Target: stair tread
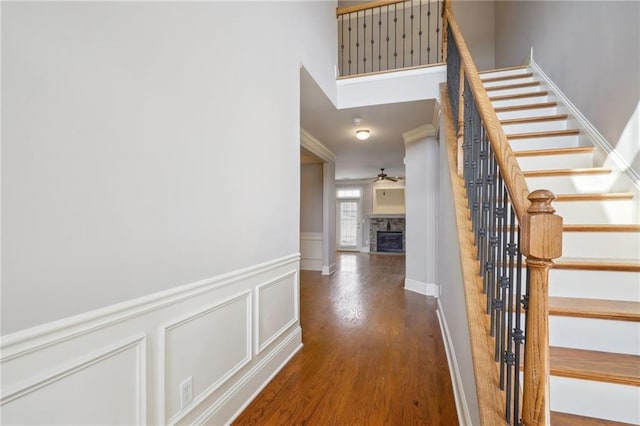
(566,172)
(555,151)
(545,134)
(605,227)
(518,96)
(595,365)
(526,106)
(595,196)
(517,67)
(555,117)
(513,86)
(566,419)
(506,77)
(597,264)
(621,310)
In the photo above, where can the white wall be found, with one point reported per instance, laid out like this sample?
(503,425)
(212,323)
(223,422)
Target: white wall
(589,49)
(452,307)
(421,193)
(476,21)
(126,166)
(329,218)
(137,214)
(311,197)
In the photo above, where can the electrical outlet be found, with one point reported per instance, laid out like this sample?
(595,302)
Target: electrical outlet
(186,392)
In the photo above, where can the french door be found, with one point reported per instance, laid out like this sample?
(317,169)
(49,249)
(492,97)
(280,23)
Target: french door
(348,224)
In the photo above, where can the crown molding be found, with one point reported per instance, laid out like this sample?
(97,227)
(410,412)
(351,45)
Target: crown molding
(312,144)
(419,133)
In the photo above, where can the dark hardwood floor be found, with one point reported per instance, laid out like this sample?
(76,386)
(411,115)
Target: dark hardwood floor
(372,355)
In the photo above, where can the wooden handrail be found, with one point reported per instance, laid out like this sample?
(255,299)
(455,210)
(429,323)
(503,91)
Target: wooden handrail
(512,175)
(365,6)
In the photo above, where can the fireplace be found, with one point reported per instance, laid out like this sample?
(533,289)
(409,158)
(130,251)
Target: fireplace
(390,241)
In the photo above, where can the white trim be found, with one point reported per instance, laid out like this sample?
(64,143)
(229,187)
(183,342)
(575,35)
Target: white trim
(138,342)
(427,289)
(426,70)
(365,249)
(328,270)
(316,147)
(594,135)
(176,323)
(312,236)
(211,411)
(456,379)
(286,326)
(419,133)
(37,338)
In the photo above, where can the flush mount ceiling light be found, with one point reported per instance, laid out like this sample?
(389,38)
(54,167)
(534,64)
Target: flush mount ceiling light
(362,134)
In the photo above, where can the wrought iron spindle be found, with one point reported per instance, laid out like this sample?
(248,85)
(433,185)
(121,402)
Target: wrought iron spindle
(372,41)
(364,40)
(438,25)
(395,36)
(420,33)
(349,43)
(379,39)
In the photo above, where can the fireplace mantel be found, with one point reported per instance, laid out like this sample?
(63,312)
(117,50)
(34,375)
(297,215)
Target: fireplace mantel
(386,216)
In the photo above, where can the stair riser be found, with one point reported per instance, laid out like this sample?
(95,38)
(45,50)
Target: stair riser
(609,401)
(513,91)
(541,126)
(503,73)
(598,212)
(520,80)
(520,101)
(555,162)
(533,112)
(595,334)
(607,245)
(575,184)
(544,143)
(612,285)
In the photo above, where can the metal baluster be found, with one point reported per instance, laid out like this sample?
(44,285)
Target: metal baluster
(379,39)
(364,41)
(395,36)
(349,43)
(411,17)
(372,42)
(502,277)
(341,43)
(387,37)
(438,27)
(357,29)
(518,335)
(420,35)
(404,33)
(450,35)
(512,369)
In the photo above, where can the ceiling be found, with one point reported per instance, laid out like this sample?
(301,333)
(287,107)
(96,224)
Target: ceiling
(356,159)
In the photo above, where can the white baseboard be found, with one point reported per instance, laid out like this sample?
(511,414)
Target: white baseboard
(458,389)
(428,289)
(328,270)
(594,135)
(365,249)
(311,264)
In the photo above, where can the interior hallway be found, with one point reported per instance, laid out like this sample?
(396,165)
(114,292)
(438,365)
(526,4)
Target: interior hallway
(372,354)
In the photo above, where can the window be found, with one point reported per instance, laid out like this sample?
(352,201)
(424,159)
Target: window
(348,193)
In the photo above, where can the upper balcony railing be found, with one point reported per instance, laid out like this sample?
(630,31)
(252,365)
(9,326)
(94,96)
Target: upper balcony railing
(389,35)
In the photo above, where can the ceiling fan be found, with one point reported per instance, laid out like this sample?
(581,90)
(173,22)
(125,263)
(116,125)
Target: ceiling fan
(383,176)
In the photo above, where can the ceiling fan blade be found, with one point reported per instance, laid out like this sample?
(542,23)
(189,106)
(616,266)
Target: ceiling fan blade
(375,180)
(391,179)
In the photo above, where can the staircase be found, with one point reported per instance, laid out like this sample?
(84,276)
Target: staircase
(594,288)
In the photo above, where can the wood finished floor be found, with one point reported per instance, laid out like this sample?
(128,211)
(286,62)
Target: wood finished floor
(372,355)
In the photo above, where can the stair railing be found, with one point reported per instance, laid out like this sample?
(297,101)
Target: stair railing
(513,228)
(388,35)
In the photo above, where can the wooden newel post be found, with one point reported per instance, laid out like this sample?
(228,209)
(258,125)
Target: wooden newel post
(541,242)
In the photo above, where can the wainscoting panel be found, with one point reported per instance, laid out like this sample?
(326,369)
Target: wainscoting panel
(224,333)
(311,251)
(123,364)
(277,309)
(107,387)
